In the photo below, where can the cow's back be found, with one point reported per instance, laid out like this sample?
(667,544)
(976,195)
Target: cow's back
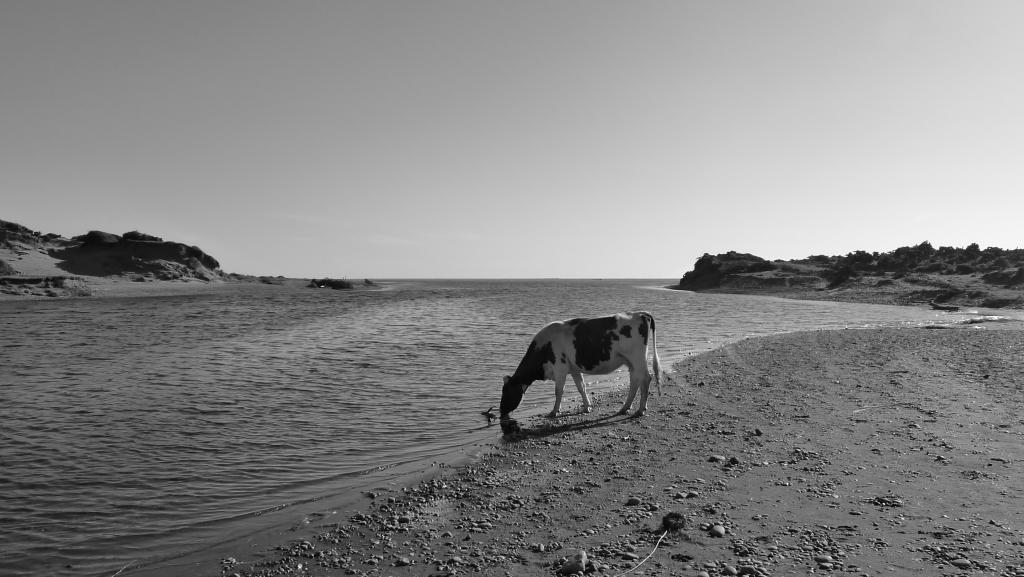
(597,345)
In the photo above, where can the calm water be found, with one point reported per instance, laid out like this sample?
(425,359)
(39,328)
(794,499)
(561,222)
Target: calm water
(134,429)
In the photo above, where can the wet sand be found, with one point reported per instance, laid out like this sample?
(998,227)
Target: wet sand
(854,452)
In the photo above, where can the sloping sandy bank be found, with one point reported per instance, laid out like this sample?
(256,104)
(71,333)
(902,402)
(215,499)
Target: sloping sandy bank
(861,452)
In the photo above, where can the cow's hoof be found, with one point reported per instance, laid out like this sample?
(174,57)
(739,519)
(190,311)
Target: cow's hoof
(639,413)
(551,415)
(588,409)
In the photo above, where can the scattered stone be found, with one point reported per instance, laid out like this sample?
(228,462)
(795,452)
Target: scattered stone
(632,502)
(961,563)
(575,564)
(717,531)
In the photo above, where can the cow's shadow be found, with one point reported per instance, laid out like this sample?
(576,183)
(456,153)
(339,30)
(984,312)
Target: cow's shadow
(548,430)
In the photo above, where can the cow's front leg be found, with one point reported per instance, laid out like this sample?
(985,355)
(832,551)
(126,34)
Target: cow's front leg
(581,386)
(559,389)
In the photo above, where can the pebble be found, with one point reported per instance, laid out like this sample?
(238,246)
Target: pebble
(632,502)
(716,459)
(717,531)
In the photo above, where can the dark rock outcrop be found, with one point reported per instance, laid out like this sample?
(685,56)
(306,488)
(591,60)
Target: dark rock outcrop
(710,271)
(99,253)
(331,283)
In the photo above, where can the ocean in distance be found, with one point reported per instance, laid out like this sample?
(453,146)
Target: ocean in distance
(134,431)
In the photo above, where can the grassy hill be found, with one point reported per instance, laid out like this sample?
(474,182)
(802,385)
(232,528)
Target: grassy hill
(969,276)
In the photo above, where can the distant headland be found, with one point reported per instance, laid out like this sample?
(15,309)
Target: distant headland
(37,264)
(944,277)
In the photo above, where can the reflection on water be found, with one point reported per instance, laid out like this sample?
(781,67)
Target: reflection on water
(134,427)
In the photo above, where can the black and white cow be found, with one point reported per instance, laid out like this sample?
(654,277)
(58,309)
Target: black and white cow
(595,346)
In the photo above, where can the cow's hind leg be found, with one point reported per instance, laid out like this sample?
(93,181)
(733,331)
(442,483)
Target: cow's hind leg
(581,386)
(645,389)
(634,385)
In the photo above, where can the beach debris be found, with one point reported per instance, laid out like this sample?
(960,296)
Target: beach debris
(670,523)
(889,500)
(673,522)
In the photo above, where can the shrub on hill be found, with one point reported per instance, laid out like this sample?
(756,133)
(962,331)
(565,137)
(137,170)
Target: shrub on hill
(6,269)
(922,258)
(999,266)
(136,235)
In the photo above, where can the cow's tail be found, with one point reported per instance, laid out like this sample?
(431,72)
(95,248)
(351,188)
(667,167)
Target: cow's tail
(654,347)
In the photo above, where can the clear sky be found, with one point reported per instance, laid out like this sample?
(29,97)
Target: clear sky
(476,138)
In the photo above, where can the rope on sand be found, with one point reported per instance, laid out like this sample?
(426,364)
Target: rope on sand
(127,565)
(644,560)
(869,408)
(670,522)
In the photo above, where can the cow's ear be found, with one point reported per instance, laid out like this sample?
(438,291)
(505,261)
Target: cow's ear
(506,380)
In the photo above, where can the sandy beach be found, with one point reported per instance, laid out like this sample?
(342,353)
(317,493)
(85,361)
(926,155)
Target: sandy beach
(861,452)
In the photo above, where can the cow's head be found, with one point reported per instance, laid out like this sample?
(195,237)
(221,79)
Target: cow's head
(511,396)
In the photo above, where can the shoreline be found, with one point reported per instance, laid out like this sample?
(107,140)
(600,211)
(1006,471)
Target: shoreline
(119,287)
(995,298)
(862,451)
